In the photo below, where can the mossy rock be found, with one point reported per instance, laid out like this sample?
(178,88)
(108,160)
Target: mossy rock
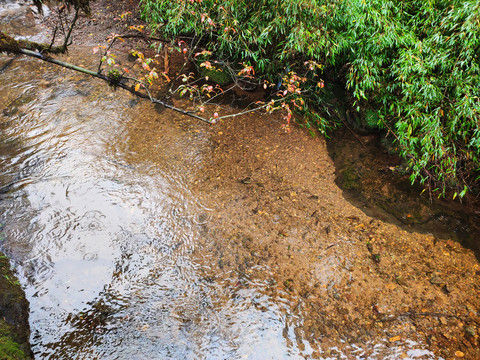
(14,309)
(218,75)
(8,44)
(9,348)
(349,179)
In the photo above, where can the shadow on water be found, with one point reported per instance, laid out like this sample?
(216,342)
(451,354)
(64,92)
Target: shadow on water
(370,177)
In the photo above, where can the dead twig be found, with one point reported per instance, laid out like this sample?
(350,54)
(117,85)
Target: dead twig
(413,314)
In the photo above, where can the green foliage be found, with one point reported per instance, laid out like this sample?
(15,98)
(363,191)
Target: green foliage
(418,63)
(114,76)
(413,65)
(217,75)
(372,120)
(268,33)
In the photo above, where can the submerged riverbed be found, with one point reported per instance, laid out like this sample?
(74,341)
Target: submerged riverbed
(140,234)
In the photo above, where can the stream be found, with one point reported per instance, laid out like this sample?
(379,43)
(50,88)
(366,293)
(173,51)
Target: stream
(116,243)
(102,238)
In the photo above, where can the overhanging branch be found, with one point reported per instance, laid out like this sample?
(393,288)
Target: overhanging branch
(117,82)
(10,45)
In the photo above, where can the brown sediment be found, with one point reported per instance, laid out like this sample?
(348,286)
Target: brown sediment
(279,217)
(350,280)
(353,279)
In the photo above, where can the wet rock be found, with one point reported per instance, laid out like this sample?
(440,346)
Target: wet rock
(470,330)
(369,247)
(246,181)
(14,308)
(288,284)
(133,102)
(447,289)
(376,258)
(401,280)
(10,111)
(436,280)
(471,309)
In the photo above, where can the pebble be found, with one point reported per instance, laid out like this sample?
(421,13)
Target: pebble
(436,280)
(401,280)
(447,289)
(470,330)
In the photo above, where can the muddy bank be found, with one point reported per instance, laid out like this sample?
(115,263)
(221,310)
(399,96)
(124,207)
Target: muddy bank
(14,307)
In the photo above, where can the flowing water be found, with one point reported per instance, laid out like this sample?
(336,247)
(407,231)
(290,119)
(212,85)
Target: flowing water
(105,238)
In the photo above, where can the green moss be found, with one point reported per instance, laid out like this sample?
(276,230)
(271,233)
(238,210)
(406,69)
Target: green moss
(9,349)
(14,328)
(350,178)
(218,76)
(8,44)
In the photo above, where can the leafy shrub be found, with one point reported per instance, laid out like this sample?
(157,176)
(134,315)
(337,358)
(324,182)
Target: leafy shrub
(414,63)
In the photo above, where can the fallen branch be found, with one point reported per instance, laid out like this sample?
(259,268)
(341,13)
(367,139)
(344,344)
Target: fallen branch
(413,314)
(10,45)
(113,82)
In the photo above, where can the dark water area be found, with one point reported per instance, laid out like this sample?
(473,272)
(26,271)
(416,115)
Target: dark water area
(373,179)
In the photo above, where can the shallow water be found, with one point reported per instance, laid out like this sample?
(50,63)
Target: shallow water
(108,236)
(372,179)
(105,232)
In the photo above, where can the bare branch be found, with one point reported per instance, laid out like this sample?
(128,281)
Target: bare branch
(119,83)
